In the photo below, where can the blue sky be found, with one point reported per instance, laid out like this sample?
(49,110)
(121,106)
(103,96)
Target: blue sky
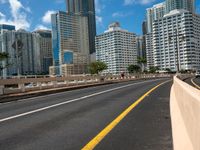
(35,14)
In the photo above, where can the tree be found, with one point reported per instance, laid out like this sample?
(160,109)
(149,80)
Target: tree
(97,67)
(133,69)
(142,61)
(153,69)
(3,56)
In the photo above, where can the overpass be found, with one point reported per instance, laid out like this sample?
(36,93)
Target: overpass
(133,114)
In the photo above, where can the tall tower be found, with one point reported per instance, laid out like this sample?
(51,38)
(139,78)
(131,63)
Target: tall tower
(180,4)
(85,8)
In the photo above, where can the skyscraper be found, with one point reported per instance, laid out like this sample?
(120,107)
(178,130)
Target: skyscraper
(85,8)
(180,4)
(44,38)
(154,13)
(70,44)
(26,60)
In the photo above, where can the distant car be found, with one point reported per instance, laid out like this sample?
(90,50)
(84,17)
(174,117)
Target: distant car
(197,74)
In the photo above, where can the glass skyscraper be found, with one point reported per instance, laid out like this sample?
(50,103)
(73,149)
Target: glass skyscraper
(85,8)
(70,42)
(180,4)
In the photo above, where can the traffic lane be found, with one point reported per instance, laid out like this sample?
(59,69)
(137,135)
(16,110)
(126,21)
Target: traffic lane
(68,126)
(197,81)
(147,127)
(18,107)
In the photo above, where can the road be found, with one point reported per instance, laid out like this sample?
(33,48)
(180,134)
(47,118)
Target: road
(70,120)
(195,82)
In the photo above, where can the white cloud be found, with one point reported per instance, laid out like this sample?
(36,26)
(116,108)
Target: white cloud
(142,2)
(41,27)
(99,20)
(121,14)
(2,15)
(47,16)
(18,15)
(99,6)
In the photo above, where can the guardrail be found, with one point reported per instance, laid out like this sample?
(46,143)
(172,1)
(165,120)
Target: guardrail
(185,115)
(18,85)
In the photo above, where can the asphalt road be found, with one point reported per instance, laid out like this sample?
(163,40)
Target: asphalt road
(69,120)
(195,82)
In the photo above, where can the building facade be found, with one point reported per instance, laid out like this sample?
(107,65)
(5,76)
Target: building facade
(154,13)
(85,8)
(24,60)
(117,48)
(140,47)
(180,4)
(44,38)
(176,41)
(149,50)
(70,41)
(6,27)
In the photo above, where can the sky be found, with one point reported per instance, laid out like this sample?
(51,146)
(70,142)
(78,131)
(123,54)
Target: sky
(35,14)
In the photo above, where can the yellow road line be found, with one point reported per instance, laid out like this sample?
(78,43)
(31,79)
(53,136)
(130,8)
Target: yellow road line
(192,80)
(96,140)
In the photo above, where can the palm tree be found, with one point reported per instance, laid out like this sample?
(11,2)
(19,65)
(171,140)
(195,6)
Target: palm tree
(142,61)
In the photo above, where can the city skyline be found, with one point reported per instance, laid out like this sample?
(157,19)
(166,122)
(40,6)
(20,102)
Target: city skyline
(33,17)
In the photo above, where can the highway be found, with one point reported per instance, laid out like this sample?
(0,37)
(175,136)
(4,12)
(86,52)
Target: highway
(72,120)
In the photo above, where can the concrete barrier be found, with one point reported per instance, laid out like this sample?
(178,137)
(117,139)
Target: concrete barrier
(25,84)
(185,116)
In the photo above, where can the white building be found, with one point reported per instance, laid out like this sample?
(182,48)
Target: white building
(117,48)
(149,50)
(154,13)
(176,40)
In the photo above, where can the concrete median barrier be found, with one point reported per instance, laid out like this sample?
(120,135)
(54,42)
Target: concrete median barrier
(185,115)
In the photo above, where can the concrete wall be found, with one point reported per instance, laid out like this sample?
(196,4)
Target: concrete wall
(185,115)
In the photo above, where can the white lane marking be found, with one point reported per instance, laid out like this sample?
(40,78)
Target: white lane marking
(54,94)
(197,86)
(70,101)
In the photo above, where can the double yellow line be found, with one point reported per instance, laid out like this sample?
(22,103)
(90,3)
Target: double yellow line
(97,139)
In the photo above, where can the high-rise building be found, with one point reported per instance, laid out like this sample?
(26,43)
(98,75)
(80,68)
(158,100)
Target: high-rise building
(154,13)
(117,48)
(85,8)
(44,38)
(6,27)
(23,60)
(140,47)
(176,41)
(180,4)
(70,41)
(149,50)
